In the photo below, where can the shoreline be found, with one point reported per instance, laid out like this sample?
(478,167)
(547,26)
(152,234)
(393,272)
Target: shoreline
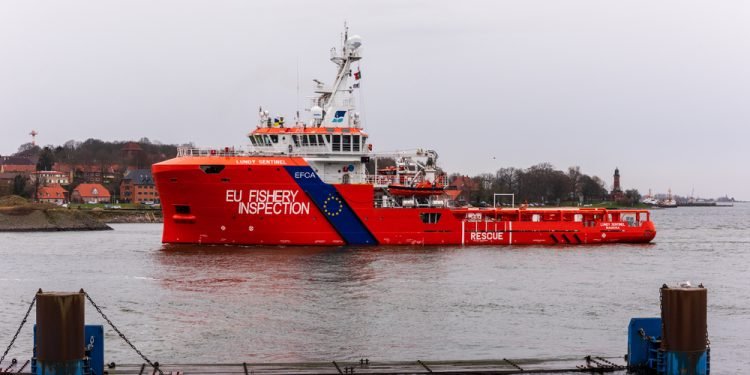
(19,215)
(41,218)
(125,216)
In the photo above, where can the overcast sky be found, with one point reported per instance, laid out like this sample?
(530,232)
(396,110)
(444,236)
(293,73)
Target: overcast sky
(660,89)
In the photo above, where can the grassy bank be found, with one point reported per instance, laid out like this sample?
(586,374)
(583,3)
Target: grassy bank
(19,215)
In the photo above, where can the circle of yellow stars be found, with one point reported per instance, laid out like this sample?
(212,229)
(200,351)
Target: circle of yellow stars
(333,212)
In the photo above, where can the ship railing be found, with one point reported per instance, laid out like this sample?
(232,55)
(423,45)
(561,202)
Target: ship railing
(262,148)
(343,178)
(325,150)
(310,150)
(194,152)
(381,180)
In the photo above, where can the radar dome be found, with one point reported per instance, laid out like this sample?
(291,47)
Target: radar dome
(317,112)
(354,41)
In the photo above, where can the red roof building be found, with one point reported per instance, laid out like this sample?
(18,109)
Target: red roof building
(52,194)
(16,164)
(138,186)
(90,193)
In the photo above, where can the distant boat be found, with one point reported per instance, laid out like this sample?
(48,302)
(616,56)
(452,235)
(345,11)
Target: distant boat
(692,202)
(669,202)
(650,201)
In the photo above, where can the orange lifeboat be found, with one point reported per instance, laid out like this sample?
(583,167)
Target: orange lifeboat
(422,189)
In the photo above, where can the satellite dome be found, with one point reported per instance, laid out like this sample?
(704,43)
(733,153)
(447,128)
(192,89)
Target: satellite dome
(354,41)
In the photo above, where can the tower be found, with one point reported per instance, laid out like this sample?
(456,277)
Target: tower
(616,194)
(33,137)
(616,185)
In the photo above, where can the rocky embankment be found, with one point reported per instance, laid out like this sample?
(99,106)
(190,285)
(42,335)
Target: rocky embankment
(127,216)
(19,215)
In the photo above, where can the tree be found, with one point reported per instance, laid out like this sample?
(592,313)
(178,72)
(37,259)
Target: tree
(574,177)
(28,150)
(46,160)
(632,196)
(19,185)
(507,180)
(592,188)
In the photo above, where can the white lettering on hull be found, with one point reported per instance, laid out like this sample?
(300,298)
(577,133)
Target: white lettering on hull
(268,202)
(486,236)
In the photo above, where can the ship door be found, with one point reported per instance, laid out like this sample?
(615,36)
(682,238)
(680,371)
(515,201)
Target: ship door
(345,178)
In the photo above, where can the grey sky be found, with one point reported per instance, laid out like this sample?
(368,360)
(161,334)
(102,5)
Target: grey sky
(658,88)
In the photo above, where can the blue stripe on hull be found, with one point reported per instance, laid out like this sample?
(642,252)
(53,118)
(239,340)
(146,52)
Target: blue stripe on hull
(332,205)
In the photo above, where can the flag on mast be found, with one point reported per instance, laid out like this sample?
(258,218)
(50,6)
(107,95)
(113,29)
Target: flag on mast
(358,74)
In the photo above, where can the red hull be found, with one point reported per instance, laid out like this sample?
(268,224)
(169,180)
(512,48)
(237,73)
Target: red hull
(259,200)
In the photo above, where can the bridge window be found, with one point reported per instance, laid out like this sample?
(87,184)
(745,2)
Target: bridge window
(347,143)
(295,138)
(355,143)
(430,217)
(336,143)
(275,138)
(313,140)
(252,140)
(321,142)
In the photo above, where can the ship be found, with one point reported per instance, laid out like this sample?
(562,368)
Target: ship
(669,202)
(319,182)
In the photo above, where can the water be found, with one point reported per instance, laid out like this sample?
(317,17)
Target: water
(228,304)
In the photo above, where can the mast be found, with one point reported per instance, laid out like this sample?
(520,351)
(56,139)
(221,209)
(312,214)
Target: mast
(335,107)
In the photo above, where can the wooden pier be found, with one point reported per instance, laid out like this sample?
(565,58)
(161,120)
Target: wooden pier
(586,365)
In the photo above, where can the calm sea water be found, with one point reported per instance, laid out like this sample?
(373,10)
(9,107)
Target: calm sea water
(233,304)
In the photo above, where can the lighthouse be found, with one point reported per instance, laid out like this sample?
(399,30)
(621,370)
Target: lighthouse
(616,193)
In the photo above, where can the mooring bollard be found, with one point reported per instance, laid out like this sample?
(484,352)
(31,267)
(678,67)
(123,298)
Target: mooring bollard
(684,329)
(677,342)
(59,333)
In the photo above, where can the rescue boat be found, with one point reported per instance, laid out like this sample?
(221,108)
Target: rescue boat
(318,182)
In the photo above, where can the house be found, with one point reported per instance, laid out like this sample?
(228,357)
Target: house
(137,186)
(6,183)
(462,188)
(16,164)
(52,194)
(453,193)
(51,177)
(90,193)
(131,150)
(93,174)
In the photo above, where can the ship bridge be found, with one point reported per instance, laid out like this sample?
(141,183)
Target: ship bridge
(304,141)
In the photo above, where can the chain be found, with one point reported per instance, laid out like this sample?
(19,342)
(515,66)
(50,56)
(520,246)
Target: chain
(25,317)
(155,365)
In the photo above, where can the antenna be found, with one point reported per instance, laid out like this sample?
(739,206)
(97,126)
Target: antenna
(346,33)
(297,120)
(33,137)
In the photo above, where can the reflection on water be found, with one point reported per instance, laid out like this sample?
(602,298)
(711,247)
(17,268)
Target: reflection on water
(228,304)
